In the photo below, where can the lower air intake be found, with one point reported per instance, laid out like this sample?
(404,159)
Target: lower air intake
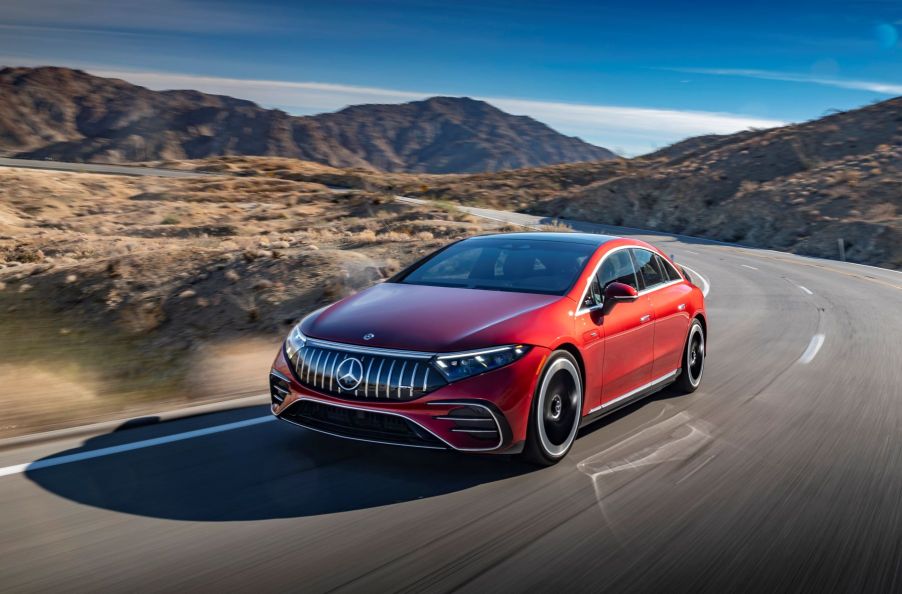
(360,424)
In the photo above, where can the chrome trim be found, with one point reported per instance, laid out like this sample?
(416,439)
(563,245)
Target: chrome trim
(378,377)
(582,310)
(401,378)
(325,365)
(313,366)
(401,354)
(332,371)
(366,385)
(482,406)
(474,419)
(388,379)
(659,287)
(279,375)
(413,378)
(394,443)
(300,358)
(462,430)
(642,388)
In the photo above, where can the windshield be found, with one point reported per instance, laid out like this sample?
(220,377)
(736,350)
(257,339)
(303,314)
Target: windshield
(520,265)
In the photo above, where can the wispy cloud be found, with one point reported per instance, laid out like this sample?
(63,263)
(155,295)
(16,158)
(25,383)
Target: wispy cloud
(631,130)
(135,15)
(884,88)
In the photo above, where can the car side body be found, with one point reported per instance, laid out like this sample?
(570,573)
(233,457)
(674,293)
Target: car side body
(373,365)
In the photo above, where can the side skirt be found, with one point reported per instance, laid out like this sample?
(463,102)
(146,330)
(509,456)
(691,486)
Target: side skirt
(629,398)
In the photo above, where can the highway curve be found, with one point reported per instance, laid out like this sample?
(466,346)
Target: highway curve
(783,472)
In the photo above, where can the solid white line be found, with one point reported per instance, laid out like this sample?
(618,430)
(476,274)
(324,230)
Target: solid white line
(137,445)
(747,266)
(706,286)
(817,341)
(805,289)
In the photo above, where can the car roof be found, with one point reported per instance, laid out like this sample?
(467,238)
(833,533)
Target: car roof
(584,238)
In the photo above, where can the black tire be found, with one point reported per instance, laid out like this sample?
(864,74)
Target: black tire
(555,412)
(693,359)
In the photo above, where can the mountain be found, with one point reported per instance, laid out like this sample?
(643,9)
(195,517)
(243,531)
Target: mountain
(796,188)
(70,115)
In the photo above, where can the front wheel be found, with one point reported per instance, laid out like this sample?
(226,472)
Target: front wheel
(556,410)
(693,359)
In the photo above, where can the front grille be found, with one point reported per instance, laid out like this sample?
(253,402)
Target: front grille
(360,424)
(382,377)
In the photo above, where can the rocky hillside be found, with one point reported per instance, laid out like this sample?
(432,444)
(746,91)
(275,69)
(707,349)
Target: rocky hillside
(797,188)
(73,116)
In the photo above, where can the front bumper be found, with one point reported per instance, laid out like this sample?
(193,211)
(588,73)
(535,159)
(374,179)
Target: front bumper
(485,413)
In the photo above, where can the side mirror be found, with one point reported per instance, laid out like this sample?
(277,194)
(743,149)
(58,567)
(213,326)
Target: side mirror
(620,292)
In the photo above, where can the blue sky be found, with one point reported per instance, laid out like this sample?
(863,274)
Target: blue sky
(631,76)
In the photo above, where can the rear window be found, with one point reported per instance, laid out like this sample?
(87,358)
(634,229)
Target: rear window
(648,268)
(668,269)
(519,265)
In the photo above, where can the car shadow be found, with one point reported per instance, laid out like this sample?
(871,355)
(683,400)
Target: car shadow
(663,395)
(264,471)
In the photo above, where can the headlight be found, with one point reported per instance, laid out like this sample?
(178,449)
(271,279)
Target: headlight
(295,342)
(456,366)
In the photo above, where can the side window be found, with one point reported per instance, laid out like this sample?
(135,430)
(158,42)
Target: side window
(648,268)
(618,267)
(593,295)
(668,269)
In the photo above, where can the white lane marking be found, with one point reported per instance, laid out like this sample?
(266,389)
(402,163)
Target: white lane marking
(706,286)
(697,468)
(806,289)
(747,266)
(691,252)
(817,341)
(125,447)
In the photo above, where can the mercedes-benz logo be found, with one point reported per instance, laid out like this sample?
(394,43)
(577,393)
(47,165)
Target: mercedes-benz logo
(368,336)
(349,373)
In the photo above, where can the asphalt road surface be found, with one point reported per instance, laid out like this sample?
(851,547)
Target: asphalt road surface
(96,168)
(783,472)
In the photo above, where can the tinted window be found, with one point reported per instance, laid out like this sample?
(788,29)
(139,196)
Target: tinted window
(593,295)
(668,269)
(648,267)
(618,267)
(521,265)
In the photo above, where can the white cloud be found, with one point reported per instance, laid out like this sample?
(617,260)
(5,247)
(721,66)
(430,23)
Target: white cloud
(631,130)
(884,88)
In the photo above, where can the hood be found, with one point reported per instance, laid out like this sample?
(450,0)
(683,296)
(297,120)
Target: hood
(433,319)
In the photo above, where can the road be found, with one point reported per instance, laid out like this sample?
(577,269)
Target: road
(783,472)
(96,168)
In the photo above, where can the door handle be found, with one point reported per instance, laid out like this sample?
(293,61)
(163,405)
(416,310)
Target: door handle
(645,318)
(681,307)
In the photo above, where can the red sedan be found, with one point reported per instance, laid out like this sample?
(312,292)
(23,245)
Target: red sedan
(501,343)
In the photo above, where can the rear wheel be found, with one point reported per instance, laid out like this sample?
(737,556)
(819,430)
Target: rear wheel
(556,410)
(693,359)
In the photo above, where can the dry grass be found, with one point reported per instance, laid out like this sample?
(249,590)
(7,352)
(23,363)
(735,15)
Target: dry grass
(127,294)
